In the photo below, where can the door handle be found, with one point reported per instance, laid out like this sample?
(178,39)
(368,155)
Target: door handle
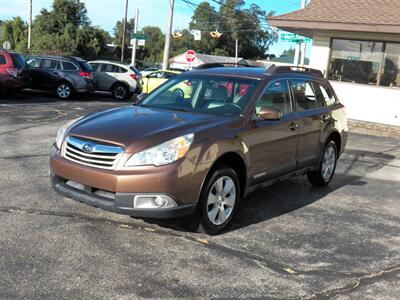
(325,118)
(293,126)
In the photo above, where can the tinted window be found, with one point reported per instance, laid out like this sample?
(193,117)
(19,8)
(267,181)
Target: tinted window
(304,94)
(33,62)
(326,94)
(67,66)
(355,61)
(2,59)
(48,64)
(109,68)
(18,60)
(85,66)
(168,75)
(276,95)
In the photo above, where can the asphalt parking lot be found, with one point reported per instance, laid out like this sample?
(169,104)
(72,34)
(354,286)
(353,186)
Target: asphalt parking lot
(289,241)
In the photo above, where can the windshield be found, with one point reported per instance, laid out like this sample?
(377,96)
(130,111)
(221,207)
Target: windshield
(205,94)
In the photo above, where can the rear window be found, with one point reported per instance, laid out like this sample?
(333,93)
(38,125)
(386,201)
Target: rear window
(18,60)
(2,59)
(136,71)
(85,66)
(67,66)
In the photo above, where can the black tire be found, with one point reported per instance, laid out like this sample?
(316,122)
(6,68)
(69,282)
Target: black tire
(120,91)
(205,224)
(317,177)
(64,90)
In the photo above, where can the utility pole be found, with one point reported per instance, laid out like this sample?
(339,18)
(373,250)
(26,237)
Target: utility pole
(300,47)
(134,44)
(168,35)
(30,25)
(124,32)
(236,51)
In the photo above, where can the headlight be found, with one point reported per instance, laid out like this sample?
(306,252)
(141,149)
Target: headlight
(163,154)
(61,132)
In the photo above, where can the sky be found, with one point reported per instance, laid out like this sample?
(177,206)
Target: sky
(105,13)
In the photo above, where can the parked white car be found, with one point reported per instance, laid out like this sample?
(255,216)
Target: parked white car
(120,79)
(148,71)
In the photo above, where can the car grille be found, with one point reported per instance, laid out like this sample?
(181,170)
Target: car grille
(91,154)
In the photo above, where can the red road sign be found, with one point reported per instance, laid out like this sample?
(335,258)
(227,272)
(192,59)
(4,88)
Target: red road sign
(190,56)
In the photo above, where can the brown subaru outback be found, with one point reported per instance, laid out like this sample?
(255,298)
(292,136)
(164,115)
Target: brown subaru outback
(202,141)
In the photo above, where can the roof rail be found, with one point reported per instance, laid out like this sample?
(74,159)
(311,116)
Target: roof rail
(221,65)
(284,69)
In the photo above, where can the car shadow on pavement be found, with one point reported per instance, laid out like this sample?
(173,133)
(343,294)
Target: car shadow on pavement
(287,196)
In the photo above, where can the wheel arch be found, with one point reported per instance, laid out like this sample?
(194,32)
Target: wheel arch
(336,138)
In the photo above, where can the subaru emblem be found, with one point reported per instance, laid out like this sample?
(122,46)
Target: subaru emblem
(87,148)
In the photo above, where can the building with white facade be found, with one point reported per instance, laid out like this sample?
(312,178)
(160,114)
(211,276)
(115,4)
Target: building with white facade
(356,44)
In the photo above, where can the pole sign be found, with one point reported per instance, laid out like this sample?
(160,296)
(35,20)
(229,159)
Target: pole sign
(190,56)
(294,38)
(140,36)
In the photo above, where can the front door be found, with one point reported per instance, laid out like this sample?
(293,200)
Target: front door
(273,144)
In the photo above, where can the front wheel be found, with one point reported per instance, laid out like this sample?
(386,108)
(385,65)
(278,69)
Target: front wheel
(218,201)
(327,167)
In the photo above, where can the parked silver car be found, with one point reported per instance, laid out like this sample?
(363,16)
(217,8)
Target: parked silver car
(120,79)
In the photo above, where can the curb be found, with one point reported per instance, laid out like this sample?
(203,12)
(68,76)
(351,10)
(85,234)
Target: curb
(371,128)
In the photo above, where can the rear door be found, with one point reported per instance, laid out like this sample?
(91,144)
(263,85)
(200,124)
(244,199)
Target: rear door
(310,112)
(106,76)
(273,144)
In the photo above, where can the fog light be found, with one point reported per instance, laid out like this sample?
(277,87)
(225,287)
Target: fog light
(153,201)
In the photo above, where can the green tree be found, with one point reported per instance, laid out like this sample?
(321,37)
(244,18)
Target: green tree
(118,32)
(15,31)
(152,53)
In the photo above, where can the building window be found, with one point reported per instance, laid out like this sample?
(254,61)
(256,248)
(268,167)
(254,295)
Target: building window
(367,62)
(391,66)
(355,61)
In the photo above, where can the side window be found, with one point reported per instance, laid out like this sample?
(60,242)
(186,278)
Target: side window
(326,94)
(276,95)
(156,75)
(48,64)
(122,70)
(304,95)
(109,68)
(32,62)
(67,66)
(168,75)
(2,59)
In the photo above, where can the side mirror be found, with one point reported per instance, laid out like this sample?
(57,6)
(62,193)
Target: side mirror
(269,113)
(146,76)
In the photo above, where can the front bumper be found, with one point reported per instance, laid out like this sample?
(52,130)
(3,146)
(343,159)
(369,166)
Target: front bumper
(121,203)
(114,191)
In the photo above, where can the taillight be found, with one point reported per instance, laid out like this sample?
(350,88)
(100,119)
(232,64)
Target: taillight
(134,76)
(12,71)
(84,74)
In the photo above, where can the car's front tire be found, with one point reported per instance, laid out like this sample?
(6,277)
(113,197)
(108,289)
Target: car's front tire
(218,201)
(326,170)
(63,90)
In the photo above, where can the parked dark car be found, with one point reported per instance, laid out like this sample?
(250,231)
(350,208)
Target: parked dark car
(168,156)
(13,73)
(61,75)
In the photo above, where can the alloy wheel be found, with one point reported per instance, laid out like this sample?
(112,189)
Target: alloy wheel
(63,91)
(120,93)
(328,163)
(221,200)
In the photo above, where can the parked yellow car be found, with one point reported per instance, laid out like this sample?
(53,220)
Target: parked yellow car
(155,79)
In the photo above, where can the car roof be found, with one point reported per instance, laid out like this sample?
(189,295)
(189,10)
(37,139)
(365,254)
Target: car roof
(59,57)
(257,72)
(103,61)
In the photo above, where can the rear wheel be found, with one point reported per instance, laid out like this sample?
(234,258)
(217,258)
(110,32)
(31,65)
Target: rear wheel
(327,167)
(218,201)
(120,92)
(64,90)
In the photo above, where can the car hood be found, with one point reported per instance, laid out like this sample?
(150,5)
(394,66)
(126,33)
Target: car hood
(136,128)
